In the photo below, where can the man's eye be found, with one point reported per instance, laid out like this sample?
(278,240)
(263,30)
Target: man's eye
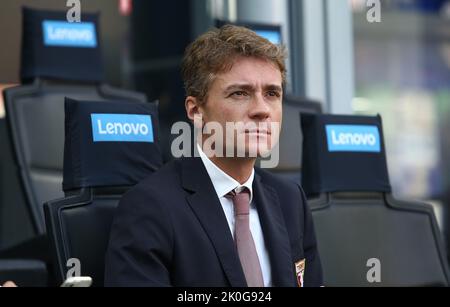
(273,94)
(239,93)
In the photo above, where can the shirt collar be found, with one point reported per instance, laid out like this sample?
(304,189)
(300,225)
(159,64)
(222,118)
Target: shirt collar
(222,182)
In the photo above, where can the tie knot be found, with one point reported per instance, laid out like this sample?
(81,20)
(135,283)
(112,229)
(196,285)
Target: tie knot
(241,201)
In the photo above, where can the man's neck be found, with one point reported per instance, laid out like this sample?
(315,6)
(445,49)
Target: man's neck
(240,169)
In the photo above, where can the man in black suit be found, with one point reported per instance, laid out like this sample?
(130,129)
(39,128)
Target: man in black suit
(216,220)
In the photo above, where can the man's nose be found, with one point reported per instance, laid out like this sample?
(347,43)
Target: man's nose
(259,108)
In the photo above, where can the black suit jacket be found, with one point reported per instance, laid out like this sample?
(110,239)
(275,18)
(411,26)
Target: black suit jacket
(170,230)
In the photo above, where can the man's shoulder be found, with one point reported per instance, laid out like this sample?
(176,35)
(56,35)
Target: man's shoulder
(165,178)
(275,181)
(288,191)
(168,171)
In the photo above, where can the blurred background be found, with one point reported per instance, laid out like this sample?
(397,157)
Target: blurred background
(402,71)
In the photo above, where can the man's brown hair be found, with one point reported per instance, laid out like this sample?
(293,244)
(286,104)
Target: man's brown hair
(215,52)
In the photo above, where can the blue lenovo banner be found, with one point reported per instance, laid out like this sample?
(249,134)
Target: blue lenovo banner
(56,49)
(109,143)
(66,34)
(122,128)
(343,153)
(353,138)
(272,36)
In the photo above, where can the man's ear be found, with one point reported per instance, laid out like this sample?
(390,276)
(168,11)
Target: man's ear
(193,109)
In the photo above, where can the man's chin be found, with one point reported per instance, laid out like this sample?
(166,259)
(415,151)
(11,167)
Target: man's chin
(257,151)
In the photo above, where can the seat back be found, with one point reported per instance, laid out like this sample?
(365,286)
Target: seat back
(96,174)
(355,229)
(291,138)
(35,111)
(365,236)
(79,228)
(13,208)
(35,115)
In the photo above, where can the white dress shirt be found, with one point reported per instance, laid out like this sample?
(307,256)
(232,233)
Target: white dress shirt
(223,184)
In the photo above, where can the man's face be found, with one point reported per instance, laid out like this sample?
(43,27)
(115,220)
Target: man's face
(250,97)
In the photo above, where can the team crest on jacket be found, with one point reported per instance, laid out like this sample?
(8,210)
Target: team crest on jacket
(300,272)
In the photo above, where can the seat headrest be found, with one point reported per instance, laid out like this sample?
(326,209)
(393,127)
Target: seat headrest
(109,143)
(54,48)
(343,153)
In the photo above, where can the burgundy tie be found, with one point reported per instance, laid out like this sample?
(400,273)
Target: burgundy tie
(244,240)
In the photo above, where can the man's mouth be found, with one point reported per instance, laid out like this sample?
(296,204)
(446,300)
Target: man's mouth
(258,132)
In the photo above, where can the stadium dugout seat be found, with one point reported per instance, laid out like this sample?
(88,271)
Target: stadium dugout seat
(290,151)
(12,201)
(97,171)
(53,67)
(24,272)
(365,236)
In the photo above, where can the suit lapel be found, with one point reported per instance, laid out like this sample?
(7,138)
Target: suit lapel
(275,233)
(204,202)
